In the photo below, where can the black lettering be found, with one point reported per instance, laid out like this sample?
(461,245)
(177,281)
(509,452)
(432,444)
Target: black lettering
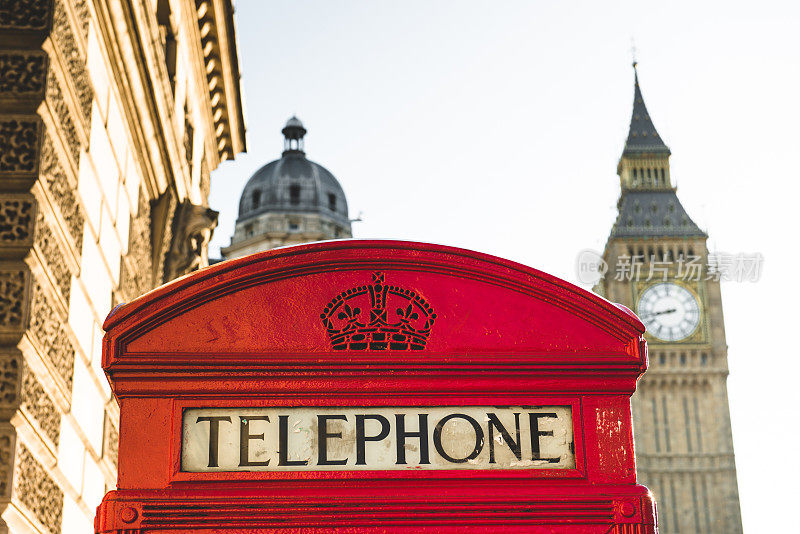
(515,446)
(422,434)
(362,439)
(536,434)
(244,439)
(322,426)
(437,438)
(213,437)
(283,443)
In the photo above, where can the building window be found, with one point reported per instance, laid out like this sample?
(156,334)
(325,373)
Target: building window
(167,31)
(294,226)
(331,202)
(294,194)
(256,199)
(248,230)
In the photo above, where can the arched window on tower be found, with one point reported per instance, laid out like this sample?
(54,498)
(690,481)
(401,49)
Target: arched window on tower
(256,199)
(331,201)
(294,194)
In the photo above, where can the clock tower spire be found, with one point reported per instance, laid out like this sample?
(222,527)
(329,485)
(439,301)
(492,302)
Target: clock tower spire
(645,159)
(648,204)
(657,258)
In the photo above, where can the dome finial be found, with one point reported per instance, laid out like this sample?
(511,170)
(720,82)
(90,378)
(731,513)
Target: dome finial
(293,134)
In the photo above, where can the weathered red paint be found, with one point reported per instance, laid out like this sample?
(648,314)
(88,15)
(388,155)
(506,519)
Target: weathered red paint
(248,332)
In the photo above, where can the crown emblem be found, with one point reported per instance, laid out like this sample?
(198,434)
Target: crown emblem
(378,317)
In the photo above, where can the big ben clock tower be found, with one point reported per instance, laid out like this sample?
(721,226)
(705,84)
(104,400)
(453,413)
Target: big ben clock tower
(658,266)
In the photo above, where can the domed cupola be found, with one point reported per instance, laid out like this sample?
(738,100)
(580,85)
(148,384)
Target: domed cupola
(289,201)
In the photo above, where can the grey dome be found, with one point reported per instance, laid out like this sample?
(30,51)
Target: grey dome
(289,201)
(293,184)
(294,121)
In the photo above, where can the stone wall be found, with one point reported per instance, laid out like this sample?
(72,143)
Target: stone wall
(98,171)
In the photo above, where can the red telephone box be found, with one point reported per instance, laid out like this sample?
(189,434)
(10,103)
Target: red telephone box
(374,386)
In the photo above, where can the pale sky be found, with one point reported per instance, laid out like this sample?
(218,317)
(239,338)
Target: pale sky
(497,126)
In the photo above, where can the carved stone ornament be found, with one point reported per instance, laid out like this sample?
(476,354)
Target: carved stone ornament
(55,99)
(10,372)
(8,442)
(76,64)
(53,257)
(22,75)
(50,333)
(205,179)
(37,491)
(162,217)
(192,229)
(39,405)
(19,150)
(136,273)
(110,441)
(61,191)
(14,302)
(82,10)
(25,14)
(17,220)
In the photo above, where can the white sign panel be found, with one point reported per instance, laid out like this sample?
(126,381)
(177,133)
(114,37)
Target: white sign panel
(370,438)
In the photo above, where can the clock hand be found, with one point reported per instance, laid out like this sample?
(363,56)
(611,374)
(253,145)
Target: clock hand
(662,312)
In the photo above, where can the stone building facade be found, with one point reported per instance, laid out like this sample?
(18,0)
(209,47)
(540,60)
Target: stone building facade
(659,267)
(113,113)
(289,201)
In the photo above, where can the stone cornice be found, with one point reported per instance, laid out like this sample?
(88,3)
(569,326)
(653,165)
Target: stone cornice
(221,62)
(214,69)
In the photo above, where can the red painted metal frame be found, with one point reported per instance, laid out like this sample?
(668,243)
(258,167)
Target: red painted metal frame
(248,332)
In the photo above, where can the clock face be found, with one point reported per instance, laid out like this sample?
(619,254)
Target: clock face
(669,311)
